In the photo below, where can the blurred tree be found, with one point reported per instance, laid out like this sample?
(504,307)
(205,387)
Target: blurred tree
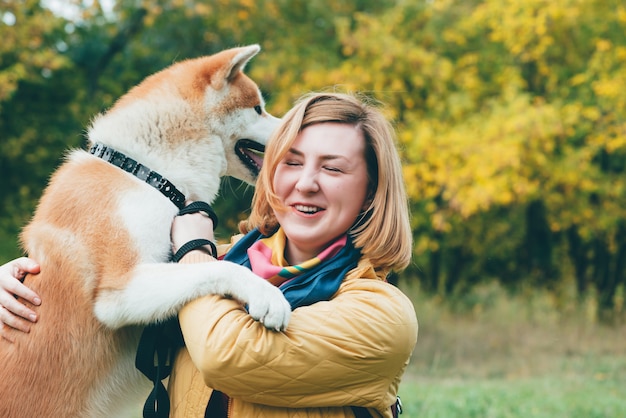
(49,71)
(511,115)
(32,95)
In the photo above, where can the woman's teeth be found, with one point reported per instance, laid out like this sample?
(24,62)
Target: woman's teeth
(307,209)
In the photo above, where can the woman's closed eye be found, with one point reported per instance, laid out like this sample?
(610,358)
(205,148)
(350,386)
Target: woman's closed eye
(333,169)
(292,163)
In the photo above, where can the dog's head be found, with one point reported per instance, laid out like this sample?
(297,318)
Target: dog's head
(233,102)
(194,122)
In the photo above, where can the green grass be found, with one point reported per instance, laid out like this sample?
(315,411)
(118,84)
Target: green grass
(540,397)
(536,354)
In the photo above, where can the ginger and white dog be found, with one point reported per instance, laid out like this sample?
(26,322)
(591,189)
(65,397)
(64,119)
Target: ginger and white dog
(102,237)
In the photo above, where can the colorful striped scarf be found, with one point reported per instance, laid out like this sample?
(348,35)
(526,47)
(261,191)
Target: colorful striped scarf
(312,281)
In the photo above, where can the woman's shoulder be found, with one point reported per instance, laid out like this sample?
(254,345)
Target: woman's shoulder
(365,275)
(364,283)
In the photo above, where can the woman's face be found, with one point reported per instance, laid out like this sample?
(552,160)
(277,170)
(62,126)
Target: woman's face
(322,182)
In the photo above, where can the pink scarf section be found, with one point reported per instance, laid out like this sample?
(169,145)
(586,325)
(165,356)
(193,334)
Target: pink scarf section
(267,258)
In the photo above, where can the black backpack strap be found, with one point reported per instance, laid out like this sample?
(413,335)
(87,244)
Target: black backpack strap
(217,406)
(396,408)
(361,412)
(155,355)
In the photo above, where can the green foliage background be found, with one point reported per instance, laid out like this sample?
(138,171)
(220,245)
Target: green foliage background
(511,115)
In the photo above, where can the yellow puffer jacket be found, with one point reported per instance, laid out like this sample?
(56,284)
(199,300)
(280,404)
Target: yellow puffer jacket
(349,351)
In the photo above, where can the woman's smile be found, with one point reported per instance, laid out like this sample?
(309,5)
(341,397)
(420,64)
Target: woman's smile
(307,209)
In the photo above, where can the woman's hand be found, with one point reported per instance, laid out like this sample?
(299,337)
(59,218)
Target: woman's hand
(14,314)
(189,227)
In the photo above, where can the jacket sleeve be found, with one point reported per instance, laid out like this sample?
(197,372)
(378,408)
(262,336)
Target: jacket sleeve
(347,351)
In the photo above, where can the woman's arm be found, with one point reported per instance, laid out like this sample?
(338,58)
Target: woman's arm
(14,314)
(351,350)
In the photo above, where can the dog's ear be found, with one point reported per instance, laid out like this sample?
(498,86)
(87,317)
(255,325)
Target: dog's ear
(235,60)
(240,60)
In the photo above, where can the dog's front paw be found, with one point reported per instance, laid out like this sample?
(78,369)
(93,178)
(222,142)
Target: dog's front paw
(267,305)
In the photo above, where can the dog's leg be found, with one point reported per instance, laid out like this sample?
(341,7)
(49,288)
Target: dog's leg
(155,292)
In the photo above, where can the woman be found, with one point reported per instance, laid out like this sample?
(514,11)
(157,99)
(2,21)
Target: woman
(329,221)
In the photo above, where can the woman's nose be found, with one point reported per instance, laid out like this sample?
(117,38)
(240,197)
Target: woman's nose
(308,181)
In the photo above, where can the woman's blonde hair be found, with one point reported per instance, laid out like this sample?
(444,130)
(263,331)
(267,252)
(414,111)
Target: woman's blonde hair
(383,232)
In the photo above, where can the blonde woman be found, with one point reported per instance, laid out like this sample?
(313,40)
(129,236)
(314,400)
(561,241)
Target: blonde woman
(329,222)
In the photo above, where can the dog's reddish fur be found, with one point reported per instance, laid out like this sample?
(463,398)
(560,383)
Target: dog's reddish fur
(82,350)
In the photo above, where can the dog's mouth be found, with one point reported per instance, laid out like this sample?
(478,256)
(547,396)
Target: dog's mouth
(251,154)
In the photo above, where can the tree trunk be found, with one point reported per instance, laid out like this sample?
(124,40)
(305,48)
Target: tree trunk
(578,256)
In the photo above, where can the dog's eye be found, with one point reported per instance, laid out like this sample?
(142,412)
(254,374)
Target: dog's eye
(258,109)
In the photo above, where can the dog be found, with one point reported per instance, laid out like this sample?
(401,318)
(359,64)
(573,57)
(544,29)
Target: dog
(102,237)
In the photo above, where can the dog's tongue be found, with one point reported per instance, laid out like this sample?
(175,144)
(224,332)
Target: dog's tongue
(255,156)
